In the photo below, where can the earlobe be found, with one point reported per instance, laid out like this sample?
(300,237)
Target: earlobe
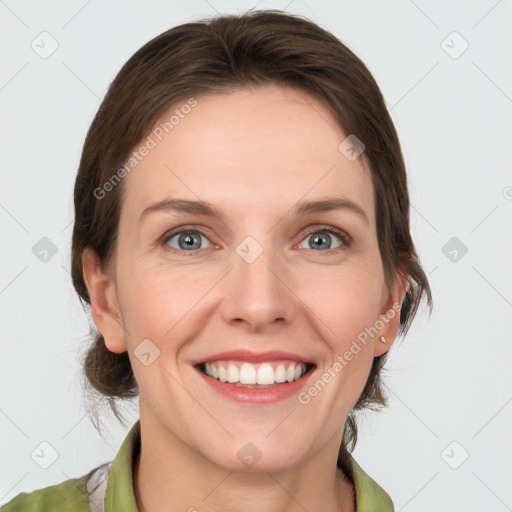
(105,309)
(389,321)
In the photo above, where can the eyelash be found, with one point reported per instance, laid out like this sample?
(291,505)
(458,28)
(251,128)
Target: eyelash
(344,237)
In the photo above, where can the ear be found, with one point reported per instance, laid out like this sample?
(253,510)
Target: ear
(390,313)
(104,305)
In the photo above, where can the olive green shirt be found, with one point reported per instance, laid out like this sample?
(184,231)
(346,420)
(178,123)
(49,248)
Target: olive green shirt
(109,488)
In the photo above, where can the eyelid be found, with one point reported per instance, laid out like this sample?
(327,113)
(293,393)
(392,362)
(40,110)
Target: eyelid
(345,238)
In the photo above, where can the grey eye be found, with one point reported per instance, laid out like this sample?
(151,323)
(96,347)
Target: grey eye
(187,241)
(321,239)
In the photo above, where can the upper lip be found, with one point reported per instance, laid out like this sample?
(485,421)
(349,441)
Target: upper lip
(253,357)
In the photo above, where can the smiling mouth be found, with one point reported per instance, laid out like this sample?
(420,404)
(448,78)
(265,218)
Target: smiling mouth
(249,375)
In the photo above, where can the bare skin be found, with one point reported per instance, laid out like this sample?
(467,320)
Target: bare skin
(253,154)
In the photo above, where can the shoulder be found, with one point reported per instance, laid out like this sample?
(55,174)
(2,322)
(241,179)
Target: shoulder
(68,496)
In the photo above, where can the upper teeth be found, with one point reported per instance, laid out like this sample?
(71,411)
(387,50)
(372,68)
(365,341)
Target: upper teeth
(248,373)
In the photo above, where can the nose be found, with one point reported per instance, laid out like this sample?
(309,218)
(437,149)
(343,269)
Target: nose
(256,295)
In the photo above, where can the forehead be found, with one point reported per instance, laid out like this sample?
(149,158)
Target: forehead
(266,147)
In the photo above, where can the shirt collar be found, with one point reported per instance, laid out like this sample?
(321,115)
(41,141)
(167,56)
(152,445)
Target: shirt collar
(370,496)
(120,494)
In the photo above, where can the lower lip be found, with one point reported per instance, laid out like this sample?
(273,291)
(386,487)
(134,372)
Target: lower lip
(257,395)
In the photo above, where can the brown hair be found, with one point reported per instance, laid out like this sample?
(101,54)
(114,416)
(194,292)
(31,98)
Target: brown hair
(220,54)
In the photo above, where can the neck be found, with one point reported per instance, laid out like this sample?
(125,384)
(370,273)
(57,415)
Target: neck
(169,475)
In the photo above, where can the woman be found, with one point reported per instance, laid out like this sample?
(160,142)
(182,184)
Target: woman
(242,237)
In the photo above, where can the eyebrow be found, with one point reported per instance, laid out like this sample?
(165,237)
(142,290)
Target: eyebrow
(207,209)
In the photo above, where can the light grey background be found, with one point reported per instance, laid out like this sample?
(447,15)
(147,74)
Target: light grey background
(449,380)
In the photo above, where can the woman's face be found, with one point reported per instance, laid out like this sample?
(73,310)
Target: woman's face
(264,276)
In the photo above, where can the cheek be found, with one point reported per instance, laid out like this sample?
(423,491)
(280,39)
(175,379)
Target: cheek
(346,303)
(159,300)
(346,299)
